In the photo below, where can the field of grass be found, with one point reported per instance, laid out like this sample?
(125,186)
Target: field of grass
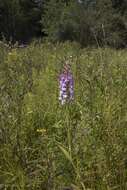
(46,146)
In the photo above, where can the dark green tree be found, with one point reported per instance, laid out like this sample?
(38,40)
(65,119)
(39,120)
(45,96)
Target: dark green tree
(19,19)
(32,10)
(88,22)
(10,18)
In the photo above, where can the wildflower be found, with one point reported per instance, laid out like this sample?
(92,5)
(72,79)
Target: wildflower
(12,56)
(42,131)
(66,84)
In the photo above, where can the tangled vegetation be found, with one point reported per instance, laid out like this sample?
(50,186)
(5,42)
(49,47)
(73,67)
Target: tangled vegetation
(46,146)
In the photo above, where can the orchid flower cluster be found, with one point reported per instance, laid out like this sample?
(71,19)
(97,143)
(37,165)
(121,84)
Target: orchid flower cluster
(66,84)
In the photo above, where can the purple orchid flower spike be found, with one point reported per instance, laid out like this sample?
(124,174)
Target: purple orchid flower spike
(66,84)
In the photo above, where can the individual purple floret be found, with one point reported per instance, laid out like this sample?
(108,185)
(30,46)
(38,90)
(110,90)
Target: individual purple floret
(66,83)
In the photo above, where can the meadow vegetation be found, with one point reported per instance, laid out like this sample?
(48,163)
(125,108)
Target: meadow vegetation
(46,146)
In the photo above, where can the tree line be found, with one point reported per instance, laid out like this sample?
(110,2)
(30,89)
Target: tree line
(89,22)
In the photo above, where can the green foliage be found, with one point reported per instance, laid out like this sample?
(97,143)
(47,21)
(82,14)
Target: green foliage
(52,17)
(89,23)
(44,145)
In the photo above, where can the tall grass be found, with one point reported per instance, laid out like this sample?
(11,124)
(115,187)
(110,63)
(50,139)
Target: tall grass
(46,146)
